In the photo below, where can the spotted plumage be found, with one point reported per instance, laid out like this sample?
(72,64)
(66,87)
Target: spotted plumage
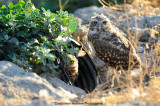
(110,44)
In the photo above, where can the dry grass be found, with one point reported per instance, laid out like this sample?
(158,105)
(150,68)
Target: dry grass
(142,94)
(140,7)
(61,6)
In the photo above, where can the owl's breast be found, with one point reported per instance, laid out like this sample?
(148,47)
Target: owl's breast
(93,36)
(114,54)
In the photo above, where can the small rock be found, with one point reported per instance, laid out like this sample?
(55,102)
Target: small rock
(152,21)
(57,83)
(86,13)
(139,20)
(143,34)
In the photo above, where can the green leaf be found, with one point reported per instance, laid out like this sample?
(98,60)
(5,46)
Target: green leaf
(43,9)
(47,43)
(44,38)
(61,12)
(65,45)
(72,27)
(3,7)
(53,15)
(51,57)
(17,25)
(55,66)
(1,45)
(43,61)
(38,62)
(10,5)
(74,21)
(6,37)
(21,33)
(8,16)
(33,24)
(27,35)
(1,18)
(35,31)
(76,49)
(66,20)
(21,3)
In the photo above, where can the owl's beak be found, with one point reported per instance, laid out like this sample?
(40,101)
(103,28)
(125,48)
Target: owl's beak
(99,27)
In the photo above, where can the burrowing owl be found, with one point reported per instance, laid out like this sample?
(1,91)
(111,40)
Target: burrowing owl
(111,46)
(72,67)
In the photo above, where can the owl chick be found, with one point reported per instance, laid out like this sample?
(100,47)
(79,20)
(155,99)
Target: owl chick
(72,68)
(111,46)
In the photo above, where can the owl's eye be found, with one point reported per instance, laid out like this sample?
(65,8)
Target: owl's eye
(94,22)
(71,62)
(104,22)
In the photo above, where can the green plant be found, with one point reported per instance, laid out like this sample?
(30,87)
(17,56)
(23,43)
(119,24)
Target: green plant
(28,37)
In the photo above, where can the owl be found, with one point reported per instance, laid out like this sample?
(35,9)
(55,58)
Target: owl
(111,46)
(72,68)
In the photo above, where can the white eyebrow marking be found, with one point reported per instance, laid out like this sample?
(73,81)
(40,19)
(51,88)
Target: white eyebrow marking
(105,20)
(94,20)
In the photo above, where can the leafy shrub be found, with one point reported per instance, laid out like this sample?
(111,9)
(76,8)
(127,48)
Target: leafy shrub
(28,37)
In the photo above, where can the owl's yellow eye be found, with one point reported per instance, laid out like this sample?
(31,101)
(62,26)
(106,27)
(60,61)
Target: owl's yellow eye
(71,62)
(94,22)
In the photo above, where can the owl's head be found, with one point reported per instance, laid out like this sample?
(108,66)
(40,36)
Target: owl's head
(99,23)
(71,67)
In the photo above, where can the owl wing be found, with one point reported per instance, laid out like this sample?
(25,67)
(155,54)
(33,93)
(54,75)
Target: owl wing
(114,52)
